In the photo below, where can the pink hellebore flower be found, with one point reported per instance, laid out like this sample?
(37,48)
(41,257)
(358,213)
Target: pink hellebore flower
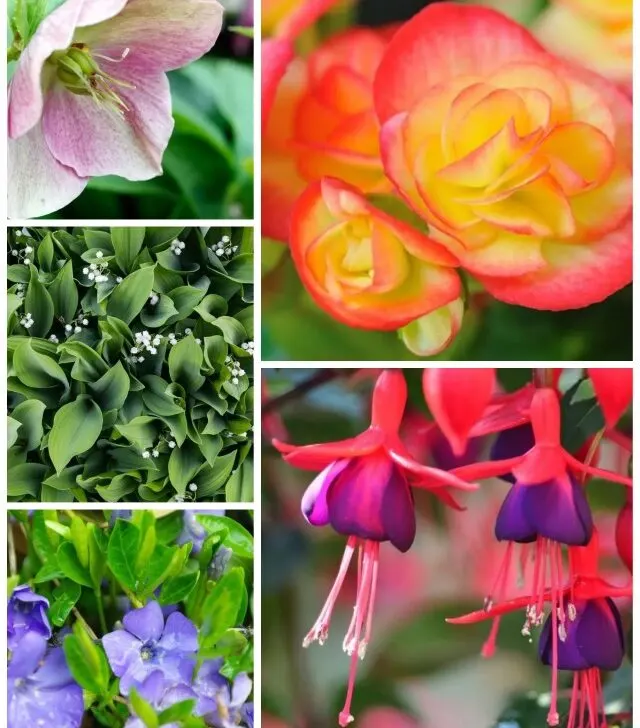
(90,97)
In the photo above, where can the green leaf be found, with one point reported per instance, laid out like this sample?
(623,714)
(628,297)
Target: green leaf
(80,539)
(111,390)
(129,297)
(45,541)
(178,588)
(238,538)
(185,361)
(143,709)
(178,712)
(13,426)
(65,598)
(98,542)
(69,564)
(89,365)
(29,415)
(37,370)
(25,479)
(239,488)
(64,293)
(221,607)
(155,315)
(45,253)
(126,244)
(211,479)
(163,564)
(86,661)
(38,303)
(122,553)
(141,432)
(76,427)
(184,463)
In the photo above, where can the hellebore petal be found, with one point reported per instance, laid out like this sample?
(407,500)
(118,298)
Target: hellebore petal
(39,182)
(130,145)
(317,457)
(614,390)
(557,510)
(456,399)
(371,499)
(314,501)
(164,36)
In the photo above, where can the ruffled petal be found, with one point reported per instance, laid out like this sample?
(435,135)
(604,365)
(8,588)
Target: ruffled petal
(95,140)
(160,35)
(314,500)
(442,42)
(39,183)
(277,54)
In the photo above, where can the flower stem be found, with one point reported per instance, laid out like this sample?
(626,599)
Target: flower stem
(101,617)
(13,560)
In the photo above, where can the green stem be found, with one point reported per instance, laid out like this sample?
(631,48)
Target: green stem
(101,617)
(13,559)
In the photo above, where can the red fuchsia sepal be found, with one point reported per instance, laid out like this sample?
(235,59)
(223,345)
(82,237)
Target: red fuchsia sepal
(456,399)
(505,412)
(614,390)
(624,532)
(547,459)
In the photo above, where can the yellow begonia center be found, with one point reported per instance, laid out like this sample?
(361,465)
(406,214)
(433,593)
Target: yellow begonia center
(77,68)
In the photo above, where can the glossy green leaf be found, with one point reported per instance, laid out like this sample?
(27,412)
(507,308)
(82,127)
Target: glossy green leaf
(221,607)
(122,553)
(29,414)
(86,661)
(64,293)
(37,370)
(76,427)
(38,303)
(185,361)
(130,296)
(65,597)
(111,390)
(126,244)
(69,563)
(25,479)
(238,538)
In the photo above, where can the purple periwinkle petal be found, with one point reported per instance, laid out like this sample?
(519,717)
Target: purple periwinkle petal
(226,699)
(193,531)
(595,637)
(179,633)
(371,499)
(26,612)
(41,690)
(145,623)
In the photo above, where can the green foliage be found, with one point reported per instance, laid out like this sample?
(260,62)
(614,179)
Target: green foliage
(97,414)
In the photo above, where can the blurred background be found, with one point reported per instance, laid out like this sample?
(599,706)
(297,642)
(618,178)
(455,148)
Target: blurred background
(208,165)
(418,671)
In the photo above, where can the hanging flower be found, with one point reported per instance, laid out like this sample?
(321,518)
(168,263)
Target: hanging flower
(90,97)
(26,614)
(364,493)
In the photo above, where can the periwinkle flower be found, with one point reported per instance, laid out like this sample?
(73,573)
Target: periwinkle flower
(162,694)
(193,531)
(148,644)
(219,563)
(229,698)
(90,95)
(26,613)
(41,690)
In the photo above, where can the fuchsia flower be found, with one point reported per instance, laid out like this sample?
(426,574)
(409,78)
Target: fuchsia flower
(90,95)
(583,632)
(364,493)
(545,509)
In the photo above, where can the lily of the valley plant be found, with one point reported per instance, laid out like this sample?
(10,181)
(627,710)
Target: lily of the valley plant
(90,95)
(364,492)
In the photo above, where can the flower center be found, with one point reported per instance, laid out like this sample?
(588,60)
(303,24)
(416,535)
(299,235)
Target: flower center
(80,73)
(149,652)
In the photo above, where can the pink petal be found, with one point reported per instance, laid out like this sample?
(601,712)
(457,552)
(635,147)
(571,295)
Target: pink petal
(161,35)
(39,183)
(25,91)
(94,140)
(56,32)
